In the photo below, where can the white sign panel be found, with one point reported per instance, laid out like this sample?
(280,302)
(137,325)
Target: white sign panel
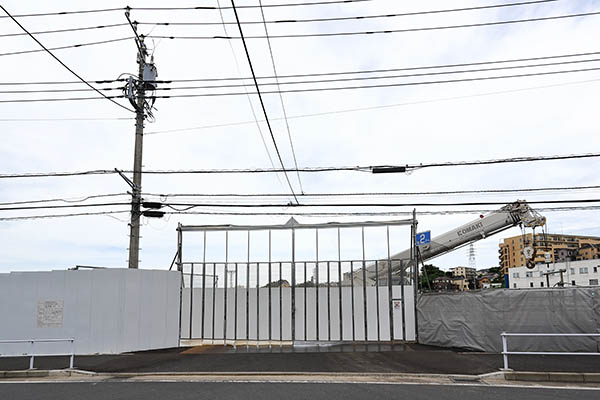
(50,313)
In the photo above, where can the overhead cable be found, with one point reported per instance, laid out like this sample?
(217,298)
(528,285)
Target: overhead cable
(82,28)
(312,214)
(384,31)
(61,119)
(328,73)
(352,79)
(254,116)
(378,86)
(70,46)
(377,213)
(285,118)
(307,169)
(261,101)
(62,63)
(319,89)
(378,107)
(31,217)
(377,194)
(350,18)
(102,10)
(189,206)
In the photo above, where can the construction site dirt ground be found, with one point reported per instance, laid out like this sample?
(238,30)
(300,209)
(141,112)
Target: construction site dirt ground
(403,358)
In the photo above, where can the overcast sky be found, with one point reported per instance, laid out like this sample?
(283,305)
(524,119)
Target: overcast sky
(527,116)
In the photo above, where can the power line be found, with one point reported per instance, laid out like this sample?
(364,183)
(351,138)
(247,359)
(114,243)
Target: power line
(83,28)
(329,73)
(70,46)
(377,194)
(387,70)
(189,206)
(283,21)
(311,214)
(102,10)
(71,200)
(62,63)
(369,169)
(363,78)
(379,86)
(377,107)
(61,119)
(165,196)
(237,66)
(377,213)
(326,89)
(287,125)
(55,90)
(385,31)
(261,100)
(30,217)
(349,18)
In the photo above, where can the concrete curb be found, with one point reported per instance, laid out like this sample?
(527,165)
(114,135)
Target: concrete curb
(512,376)
(568,377)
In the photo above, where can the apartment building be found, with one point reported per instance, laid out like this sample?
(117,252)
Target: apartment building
(574,273)
(561,248)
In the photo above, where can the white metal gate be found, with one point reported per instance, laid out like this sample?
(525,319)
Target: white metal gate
(265,300)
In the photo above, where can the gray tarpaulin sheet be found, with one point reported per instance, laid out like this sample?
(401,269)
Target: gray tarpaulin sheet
(475,320)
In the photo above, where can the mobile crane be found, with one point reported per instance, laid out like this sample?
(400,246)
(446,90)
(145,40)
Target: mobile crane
(513,214)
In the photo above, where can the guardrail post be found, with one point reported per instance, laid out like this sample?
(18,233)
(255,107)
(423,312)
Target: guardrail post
(32,356)
(72,358)
(504,350)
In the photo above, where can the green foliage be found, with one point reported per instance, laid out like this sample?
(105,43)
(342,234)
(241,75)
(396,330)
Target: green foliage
(430,272)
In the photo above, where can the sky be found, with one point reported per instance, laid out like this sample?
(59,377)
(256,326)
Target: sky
(474,120)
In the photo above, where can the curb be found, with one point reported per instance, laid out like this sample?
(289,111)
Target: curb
(567,377)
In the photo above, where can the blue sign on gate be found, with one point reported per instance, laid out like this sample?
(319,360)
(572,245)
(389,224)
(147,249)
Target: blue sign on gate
(423,238)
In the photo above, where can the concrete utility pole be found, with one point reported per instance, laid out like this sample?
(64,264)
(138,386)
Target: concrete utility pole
(136,193)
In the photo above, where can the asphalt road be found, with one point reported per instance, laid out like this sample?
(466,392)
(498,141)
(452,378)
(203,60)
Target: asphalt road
(288,391)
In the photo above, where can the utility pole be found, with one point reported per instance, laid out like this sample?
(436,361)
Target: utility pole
(136,192)
(136,92)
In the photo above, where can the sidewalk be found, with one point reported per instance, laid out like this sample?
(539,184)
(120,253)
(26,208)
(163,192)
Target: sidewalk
(409,358)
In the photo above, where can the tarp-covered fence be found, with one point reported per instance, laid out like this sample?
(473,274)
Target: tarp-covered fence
(475,320)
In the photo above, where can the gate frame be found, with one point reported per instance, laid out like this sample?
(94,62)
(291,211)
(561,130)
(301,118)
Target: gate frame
(294,225)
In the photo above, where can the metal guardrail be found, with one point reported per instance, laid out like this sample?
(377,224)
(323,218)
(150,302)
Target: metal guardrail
(506,353)
(32,354)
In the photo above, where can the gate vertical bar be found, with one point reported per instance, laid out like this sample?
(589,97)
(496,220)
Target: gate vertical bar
(203,286)
(317,283)
(235,300)
(403,304)
(270,296)
(248,294)
(293,285)
(352,300)
(191,299)
(257,303)
(280,306)
(328,301)
(364,276)
(225,289)
(340,284)
(390,294)
(214,296)
(305,305)
(377,302)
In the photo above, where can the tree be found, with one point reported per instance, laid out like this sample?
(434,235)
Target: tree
(428,273)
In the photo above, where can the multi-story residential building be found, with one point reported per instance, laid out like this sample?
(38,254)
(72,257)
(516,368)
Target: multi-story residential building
(588,252)
(561,248)
(574,273)
(465,272)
